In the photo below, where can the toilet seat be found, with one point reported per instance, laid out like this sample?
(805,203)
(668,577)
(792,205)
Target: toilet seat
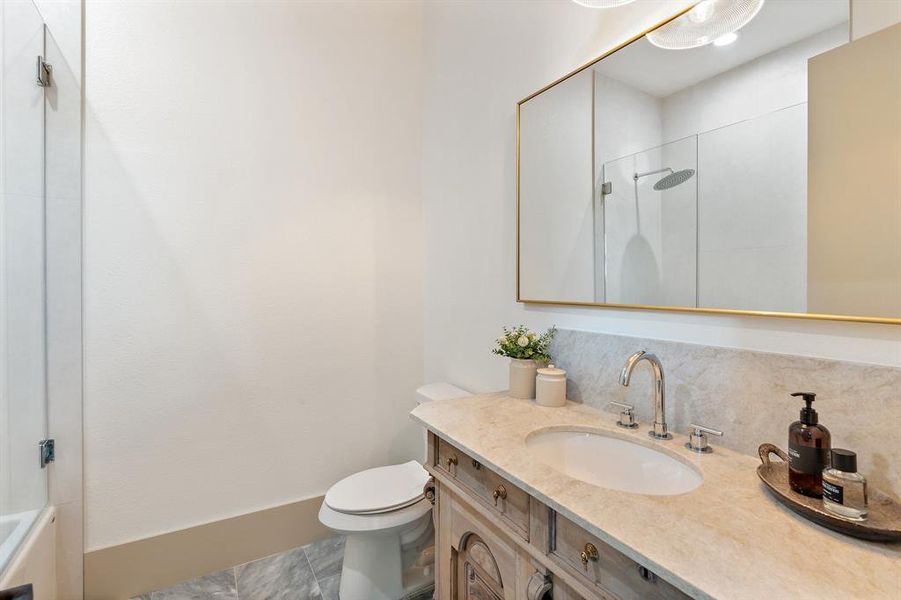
(381,523)
(379,490)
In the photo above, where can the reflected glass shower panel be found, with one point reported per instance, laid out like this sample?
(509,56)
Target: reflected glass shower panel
(753,213)
(650,235)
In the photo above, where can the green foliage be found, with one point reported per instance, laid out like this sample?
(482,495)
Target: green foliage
(520,342)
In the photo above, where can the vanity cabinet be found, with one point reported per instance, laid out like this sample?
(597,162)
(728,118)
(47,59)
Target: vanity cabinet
(500,497)
(494,541)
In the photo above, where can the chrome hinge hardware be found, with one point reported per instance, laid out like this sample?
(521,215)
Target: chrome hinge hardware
(45,69)
(606,188)
(48,452)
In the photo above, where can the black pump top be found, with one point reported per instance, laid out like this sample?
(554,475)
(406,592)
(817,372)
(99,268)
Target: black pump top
(808,414)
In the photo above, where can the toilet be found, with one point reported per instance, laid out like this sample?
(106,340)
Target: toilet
(387,522)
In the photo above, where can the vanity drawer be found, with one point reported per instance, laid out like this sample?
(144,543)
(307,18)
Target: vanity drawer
(605,567)
(511,503)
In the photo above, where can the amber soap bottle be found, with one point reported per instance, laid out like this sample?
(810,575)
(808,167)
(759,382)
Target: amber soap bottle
(808,450)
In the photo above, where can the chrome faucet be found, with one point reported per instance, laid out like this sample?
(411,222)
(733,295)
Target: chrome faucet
(659,431)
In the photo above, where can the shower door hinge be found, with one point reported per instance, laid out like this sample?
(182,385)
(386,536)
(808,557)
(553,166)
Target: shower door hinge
(44,71)
(607,188)
(48,452)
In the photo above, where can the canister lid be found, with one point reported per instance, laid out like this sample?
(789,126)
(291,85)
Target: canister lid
(551,371)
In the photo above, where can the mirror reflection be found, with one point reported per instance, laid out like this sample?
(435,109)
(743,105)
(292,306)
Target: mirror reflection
(704,166)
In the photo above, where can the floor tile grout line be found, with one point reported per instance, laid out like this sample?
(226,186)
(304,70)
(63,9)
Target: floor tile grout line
(235,575)
(313,571)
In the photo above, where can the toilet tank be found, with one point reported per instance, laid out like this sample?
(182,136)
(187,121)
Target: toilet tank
(439,391)
(436,391)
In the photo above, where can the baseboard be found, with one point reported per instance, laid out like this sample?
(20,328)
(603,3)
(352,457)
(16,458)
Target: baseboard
(127,570)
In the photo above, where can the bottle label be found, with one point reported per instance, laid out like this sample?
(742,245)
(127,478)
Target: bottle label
(833,493)
(805,459)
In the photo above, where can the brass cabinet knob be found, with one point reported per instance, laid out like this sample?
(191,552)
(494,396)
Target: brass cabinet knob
(589,553)
(500,493)
(451,461)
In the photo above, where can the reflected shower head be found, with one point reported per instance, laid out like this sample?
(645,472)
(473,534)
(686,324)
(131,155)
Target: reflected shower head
(673,179)
(667,181)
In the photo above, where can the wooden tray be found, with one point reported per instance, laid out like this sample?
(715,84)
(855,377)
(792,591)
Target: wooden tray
(883,522)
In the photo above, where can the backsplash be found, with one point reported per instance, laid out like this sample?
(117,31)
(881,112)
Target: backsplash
(745,394)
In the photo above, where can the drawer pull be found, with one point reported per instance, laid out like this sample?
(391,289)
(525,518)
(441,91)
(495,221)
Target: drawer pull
(647,574)
(590,553)
(476,465)
(451,461)
(500,493)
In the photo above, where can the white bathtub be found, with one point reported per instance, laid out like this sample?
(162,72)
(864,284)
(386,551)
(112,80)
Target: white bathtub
(13,529)
(28,551)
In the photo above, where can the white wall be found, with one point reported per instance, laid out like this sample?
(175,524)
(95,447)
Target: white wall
(555,192)
(485,57)
(752,185)
(869,16)
(253,293)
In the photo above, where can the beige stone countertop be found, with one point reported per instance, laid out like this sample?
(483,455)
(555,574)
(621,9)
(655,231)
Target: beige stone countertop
(726,539)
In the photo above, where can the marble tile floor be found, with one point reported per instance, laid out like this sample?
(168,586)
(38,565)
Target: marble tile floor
(311,572)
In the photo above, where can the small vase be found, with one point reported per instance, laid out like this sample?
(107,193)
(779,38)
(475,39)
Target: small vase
(522,378)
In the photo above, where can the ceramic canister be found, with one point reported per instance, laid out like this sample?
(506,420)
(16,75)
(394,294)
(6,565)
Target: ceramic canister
(550,386)
(522,378)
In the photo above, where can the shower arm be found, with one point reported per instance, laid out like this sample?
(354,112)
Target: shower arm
(638,176)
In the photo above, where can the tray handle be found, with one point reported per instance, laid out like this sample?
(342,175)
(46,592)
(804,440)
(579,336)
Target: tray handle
(766,449)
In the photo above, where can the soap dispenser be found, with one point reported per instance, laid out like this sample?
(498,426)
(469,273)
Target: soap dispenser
(808,450)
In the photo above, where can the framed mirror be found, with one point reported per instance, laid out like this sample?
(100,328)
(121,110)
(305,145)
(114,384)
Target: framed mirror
(743,157)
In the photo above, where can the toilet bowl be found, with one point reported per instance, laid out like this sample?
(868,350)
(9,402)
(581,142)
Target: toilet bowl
(387,522)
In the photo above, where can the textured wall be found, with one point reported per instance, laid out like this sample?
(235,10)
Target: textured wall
(253,255)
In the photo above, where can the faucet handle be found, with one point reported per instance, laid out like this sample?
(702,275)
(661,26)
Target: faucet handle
(697,439)
(626,416)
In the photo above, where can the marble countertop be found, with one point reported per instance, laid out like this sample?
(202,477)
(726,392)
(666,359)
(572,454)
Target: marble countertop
(726,539)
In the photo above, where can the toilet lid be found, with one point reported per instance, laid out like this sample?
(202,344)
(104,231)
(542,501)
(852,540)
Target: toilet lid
(378,490)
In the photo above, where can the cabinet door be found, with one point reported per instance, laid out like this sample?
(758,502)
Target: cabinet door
(478,577)
(483,562)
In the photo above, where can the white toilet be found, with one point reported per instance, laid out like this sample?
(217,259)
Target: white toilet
(387,521)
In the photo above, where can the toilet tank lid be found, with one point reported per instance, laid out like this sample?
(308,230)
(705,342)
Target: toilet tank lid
(439,391)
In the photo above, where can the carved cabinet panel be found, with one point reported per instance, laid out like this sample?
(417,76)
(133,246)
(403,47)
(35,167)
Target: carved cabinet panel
(478,577)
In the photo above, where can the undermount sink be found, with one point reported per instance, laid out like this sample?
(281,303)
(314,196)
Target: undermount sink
(613,463)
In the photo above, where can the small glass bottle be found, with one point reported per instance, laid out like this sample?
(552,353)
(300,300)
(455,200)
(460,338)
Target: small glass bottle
(844,489)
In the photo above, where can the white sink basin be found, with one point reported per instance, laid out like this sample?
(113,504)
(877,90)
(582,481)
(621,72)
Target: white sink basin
(613,463)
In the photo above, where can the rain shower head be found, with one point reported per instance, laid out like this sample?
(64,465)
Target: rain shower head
(671,180)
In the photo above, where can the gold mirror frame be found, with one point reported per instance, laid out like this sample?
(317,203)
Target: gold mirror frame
(680,309)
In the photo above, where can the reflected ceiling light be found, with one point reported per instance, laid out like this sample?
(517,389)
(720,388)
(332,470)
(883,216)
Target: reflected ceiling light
(707,22)
(602,3)
(725,39)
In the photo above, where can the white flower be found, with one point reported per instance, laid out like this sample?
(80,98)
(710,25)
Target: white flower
(523,341)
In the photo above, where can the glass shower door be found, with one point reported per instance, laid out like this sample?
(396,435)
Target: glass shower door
(23,373)
(650,225)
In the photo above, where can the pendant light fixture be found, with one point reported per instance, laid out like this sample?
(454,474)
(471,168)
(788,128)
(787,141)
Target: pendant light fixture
(602,3)
(708,21)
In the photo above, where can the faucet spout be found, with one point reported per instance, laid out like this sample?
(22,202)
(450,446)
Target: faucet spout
(659,430)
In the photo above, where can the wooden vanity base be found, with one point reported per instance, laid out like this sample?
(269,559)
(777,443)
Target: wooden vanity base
(492,540)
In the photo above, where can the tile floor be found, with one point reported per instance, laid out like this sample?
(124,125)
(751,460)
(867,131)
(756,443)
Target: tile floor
(310,572)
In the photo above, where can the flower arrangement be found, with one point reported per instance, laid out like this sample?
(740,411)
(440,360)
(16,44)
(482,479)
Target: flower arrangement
(524,344)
